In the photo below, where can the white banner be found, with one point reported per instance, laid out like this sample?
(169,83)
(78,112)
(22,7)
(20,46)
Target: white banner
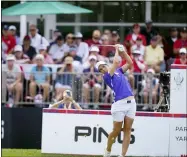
(85,134)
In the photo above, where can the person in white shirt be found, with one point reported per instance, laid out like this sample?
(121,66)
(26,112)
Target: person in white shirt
(12,30)
(69,42)
(57,50)
(37,39)
(82,47)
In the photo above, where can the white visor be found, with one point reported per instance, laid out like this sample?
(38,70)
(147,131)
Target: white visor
(100,63)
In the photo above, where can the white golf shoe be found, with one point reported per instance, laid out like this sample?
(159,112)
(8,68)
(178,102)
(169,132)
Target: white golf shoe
(106,153)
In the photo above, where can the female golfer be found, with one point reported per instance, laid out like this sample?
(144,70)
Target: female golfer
(124,107)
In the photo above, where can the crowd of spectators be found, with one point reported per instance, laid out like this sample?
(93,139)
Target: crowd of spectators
(150,51)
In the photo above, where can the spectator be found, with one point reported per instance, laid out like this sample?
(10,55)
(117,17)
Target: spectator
(179,43)
(13,79)
(150,88)
(82,47)
(37,39)
(57,50)
(21,58)
(64,78)
(109,34)
(4,49)
(12,30)
(106,49)
(91,81)
(133,36)
(128,46)
(115,38)
(139,46)
(69,42)
(27,48)
(96,36)
(154,56)
(138,64)
(183,57)
(47,58)
(148,31)
(40,77)
(56,33)
(73,53)
(9,40)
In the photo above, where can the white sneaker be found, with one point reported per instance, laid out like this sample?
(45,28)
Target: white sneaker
(106,154)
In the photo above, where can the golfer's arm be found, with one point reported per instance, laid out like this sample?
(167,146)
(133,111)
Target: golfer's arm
(115,63)
(129,64)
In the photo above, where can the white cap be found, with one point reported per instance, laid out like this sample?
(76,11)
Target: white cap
(100,63)
(39,56)
(151,71)
(18,48)
(94,48)
(182,50)
(10,57)
(92,57)
(136,52)
(78,35)
(12,27)
(42,47)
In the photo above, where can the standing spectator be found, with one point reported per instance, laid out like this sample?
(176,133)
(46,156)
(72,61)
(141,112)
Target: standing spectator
(106,49)
(47,58)
(69,42)
(96,36)
(27,48)
(57,50)
(13,79)
(37,39)
(82,47)
(12,30)
(21,58)
(9,40)
(154,56)
(179,43)
(183,57)
(148,31)
(40,77)
(133,36)
(139,46)
(91,81)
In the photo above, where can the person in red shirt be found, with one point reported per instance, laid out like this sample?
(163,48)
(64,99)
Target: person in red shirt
(96,35)
(9,40)
(183,57)
(104,50)
(182,42)
(133,36)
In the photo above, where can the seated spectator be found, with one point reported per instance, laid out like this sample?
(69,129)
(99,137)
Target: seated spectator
(115,38)
(40,77)
(69,43)
(56,33)
(27,48)
(73,53)
(47,58)
(21,58)
(150,88)
(96,36)
(12,30)
(183,57)
(57,50)
(67,103)
(138,64)
(154,56)
(91,81)
(139,46)
(13,79)
(104,50)
(133,36)
(82,47)
(4,49)
(128,46)
(181,42)
(64,78)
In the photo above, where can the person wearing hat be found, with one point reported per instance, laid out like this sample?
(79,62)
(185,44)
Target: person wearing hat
(183,57)
(133,36)
(154,55)
(12,30)
(56,50)
(123,108)
(150,85)
(8,39)
(91,81)
(181,42)
(13,79)
(28,50)
(64,78)
(20,56)
(82,47)
(40,77)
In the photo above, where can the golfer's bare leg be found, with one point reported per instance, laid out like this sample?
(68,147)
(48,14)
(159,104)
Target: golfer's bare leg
(127,134)
(112,136)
